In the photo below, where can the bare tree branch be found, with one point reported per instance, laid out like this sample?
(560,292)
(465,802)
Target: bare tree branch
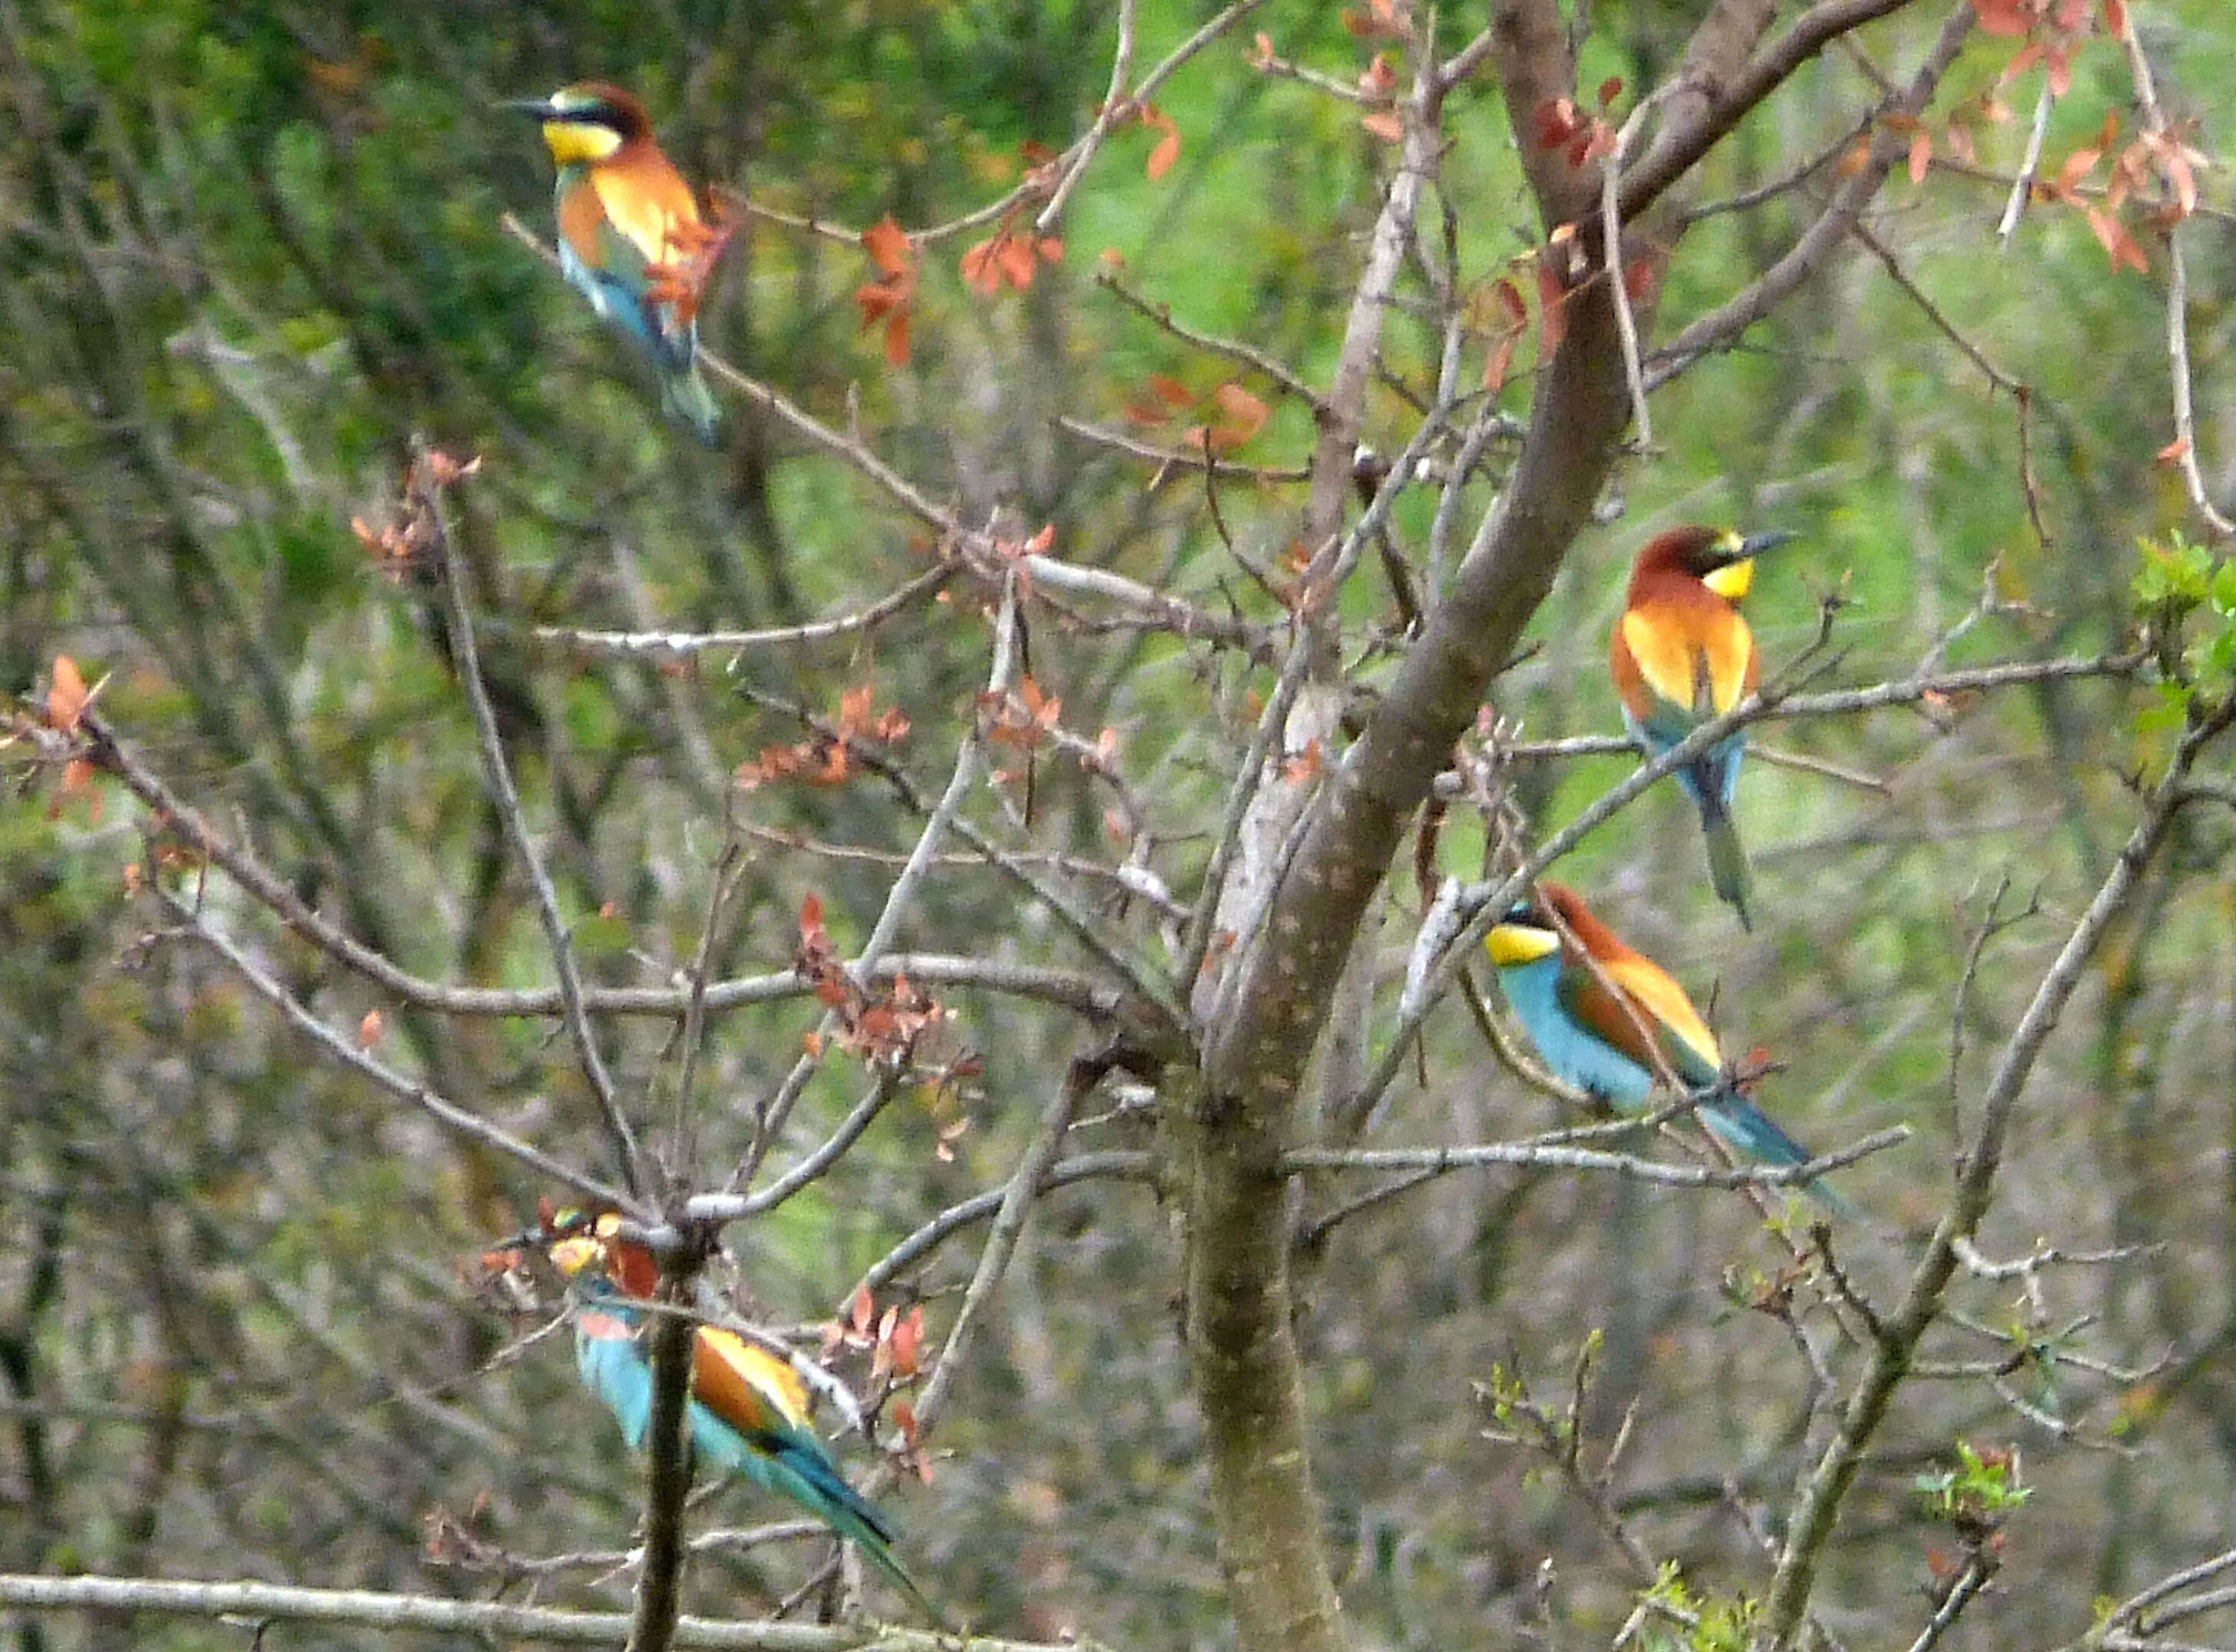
(682,645)
(423,1613)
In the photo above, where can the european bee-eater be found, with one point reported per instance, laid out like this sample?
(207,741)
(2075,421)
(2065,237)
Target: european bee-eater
(1613,1037)
(1681,655)
(627,222)
(748,1411)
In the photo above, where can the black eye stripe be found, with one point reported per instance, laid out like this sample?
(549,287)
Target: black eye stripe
(594,115)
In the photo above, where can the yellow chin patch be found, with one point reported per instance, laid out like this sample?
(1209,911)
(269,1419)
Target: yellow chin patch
(574,142)
(1509,944)
(571,1256)
(1731,581)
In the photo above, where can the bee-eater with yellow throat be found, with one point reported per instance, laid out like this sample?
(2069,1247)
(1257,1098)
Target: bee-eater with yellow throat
(1681,655)
(627,224)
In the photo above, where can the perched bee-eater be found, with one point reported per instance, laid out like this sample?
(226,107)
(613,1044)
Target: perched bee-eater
(1611,1031)
(627,223)
(1681,655)
(749,1408)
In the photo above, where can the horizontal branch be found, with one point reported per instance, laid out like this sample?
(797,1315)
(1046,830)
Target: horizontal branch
(1177,459)
(677,645)
(1908,690)
(369,1609)
(1437,1160)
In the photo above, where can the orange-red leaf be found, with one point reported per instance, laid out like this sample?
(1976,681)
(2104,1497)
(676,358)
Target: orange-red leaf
(1385,124)
(1245,412)
(1501,358)
(979,271)
(1018,261)
(889,246)
(2022,60)
(1168,149)
(1554,122)
(66,695)
(908,1339)
(2121,247)
(368,1030)
(2006,17)
(1921,156)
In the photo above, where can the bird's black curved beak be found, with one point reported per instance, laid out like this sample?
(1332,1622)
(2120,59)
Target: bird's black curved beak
(539,107)
(1755,544)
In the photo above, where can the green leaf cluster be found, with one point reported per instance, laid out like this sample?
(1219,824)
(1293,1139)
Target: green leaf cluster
(2185,598)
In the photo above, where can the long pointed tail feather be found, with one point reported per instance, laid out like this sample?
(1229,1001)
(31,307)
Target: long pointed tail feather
(1747,1130)
(799,1470)
(1727,863)
(685,398)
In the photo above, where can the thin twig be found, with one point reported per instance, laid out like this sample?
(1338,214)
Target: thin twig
(1611,259)
(2131,1609)
(344,1050)
(1179,460)
(1967,1585)
(1995,376)
(1008,1229)
(1151,988)
(2022,185)
(822,1159)
(678,644)
(769,1120)
(1247,355)
(1116,107)
(1117,1164)
(505,797)
(2184,418)
(729,872)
